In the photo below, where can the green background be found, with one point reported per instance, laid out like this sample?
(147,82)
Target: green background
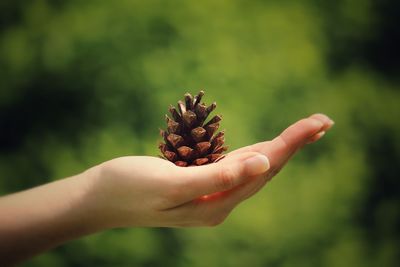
(82,82)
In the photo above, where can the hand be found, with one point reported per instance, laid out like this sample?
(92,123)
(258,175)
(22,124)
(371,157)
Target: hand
(148,191)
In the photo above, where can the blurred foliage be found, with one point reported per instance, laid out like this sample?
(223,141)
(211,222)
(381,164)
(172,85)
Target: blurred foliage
(85,81)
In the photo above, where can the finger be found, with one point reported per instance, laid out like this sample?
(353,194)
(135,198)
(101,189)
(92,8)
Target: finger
(279,151)
(220,176)
(250,188)
(299,133)
(305,132)
(328,123)
(285,145)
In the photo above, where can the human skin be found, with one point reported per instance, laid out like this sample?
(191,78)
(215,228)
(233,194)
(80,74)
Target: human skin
(142,191)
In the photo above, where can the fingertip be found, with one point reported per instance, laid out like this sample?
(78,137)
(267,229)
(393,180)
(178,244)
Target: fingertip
(324,119)
(312,126)
(330,124)
(317,123)
(320,116)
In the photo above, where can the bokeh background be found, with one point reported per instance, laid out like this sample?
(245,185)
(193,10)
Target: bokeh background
(82,82)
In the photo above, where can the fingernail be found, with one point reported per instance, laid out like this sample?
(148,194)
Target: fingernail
(256,165)
(331,122)
(320,134)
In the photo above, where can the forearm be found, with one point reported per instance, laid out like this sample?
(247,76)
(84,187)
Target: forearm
(43,217)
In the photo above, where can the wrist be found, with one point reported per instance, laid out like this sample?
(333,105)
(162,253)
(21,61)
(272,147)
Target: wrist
(86,200)
(97,200)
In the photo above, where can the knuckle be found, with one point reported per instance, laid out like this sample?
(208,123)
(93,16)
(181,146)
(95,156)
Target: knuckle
(225,179)
(171,195)
(304,120)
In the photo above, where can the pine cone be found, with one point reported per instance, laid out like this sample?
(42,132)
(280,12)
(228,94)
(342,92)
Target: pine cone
(189,140)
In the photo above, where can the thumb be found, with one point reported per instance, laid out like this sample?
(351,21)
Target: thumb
(223,175)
